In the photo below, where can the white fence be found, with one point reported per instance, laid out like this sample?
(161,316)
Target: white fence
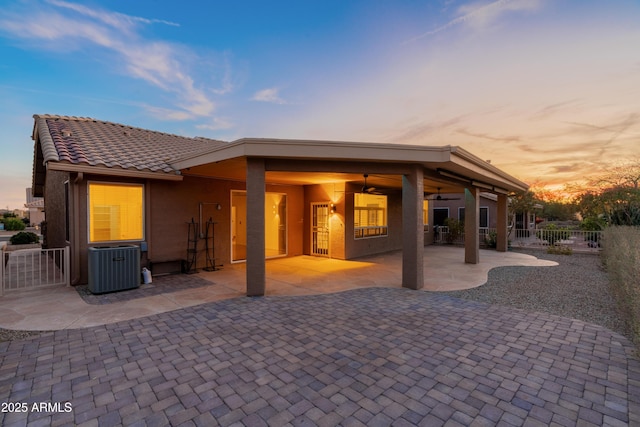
(584,241)
(34,269)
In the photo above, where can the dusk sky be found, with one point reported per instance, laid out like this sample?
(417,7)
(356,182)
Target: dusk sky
(548,90)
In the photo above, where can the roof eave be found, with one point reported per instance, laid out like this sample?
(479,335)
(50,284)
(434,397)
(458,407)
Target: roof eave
(102,170)
(316,150)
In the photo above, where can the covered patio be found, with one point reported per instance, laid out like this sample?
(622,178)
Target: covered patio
(411,171)
(64,308)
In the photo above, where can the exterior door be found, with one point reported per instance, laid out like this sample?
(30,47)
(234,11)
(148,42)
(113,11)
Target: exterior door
(320,229)
(238,226)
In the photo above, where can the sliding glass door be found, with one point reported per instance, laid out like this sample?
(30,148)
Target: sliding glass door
(275,225)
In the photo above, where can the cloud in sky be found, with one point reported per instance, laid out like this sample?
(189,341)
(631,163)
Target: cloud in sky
(271,95)
(161,64)
(114,19)
(480,15)
(513,94)
(532,85)
(216,124)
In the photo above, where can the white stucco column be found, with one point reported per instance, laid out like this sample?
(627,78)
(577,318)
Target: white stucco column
(413,229)
(502,223)
(256,270)
(471,225)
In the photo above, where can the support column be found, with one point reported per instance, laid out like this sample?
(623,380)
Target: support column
(471,225)
(502,223)
(413,229)
(256,270)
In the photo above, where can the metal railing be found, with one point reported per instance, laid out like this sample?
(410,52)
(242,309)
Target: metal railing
(34,269)
(588,241)
(585,241)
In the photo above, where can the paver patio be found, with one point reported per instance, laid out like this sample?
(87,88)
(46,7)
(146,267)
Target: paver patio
(371,356)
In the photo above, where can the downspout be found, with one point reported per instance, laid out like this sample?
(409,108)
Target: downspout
(75,252)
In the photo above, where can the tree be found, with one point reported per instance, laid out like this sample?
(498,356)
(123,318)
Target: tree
(615,196)
(558,211)
(522,202)
(622,205)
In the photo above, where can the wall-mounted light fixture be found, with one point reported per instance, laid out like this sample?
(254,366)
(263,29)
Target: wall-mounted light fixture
(333,208)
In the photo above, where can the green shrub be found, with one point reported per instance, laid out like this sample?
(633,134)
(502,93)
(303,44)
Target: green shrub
(13,224)
(24,238)
(621,258)
(491,239)
(592,224)
(456,229)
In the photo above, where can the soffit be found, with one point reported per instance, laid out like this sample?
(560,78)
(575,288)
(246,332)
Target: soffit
(235,170)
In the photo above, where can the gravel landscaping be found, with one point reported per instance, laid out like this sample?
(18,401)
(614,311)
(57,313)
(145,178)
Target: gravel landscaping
(577,288)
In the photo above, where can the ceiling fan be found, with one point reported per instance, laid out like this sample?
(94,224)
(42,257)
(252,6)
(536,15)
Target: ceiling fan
(366,188)
(439,197)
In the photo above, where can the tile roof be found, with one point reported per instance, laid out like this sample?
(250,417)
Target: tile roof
(83,140)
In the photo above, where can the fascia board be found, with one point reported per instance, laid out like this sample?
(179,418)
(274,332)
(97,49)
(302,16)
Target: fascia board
(98,170)
(473,163)
(320,150)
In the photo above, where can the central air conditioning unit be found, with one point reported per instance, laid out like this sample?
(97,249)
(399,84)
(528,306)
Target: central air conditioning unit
(114,268)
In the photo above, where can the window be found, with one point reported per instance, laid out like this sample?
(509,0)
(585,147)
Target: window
(484,217)
(369,215)
(115,212)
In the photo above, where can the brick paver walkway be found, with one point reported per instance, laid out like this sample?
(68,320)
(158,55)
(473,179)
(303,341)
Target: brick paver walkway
(371,357)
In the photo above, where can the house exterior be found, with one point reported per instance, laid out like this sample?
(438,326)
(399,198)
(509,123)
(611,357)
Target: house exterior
(35,205)
(520,224)
(452,206)
(110,184)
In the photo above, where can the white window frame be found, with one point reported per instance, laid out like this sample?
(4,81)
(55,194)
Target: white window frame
(144,210)
(379,230)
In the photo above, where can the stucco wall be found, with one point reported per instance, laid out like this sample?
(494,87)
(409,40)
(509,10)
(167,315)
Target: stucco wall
(174,204)
(55,209)
(170,206)
(355,248)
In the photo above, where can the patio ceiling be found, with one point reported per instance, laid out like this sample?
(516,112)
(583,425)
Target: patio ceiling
(235,170)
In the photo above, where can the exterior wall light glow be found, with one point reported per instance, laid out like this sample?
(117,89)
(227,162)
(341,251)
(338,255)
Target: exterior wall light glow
(333,208)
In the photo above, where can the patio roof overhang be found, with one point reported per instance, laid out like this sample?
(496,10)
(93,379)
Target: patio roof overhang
(300,162)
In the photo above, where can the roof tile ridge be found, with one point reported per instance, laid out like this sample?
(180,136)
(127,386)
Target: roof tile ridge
(57,116)
(91,119)
(49,151)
